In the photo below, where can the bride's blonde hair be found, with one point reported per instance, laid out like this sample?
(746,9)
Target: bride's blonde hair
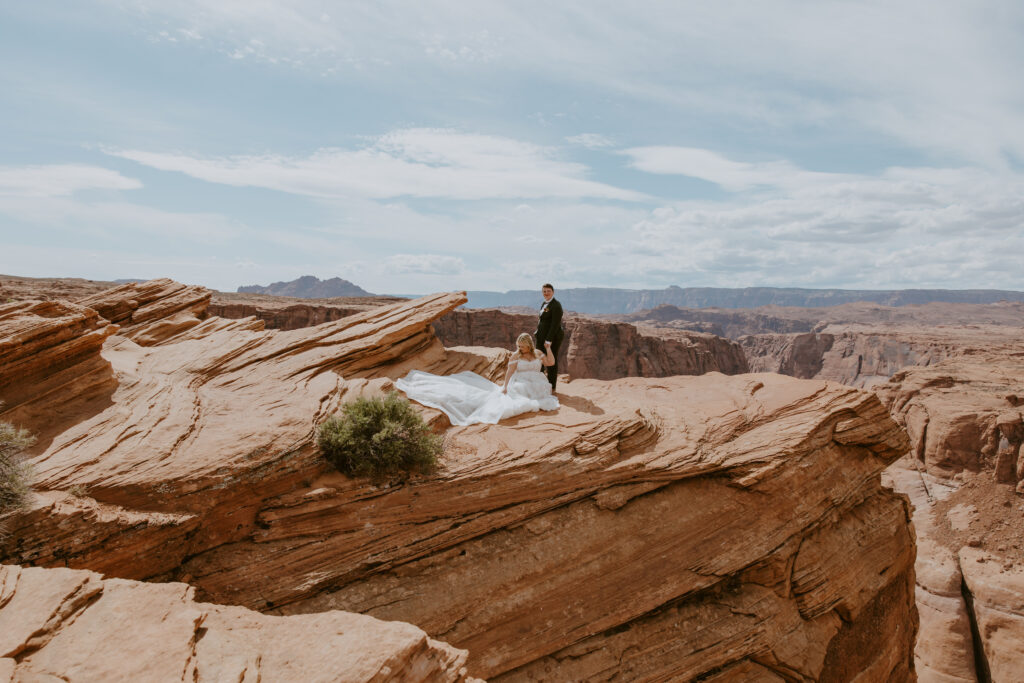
(525,336)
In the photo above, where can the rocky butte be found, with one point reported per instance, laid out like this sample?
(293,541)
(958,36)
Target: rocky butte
(711,527)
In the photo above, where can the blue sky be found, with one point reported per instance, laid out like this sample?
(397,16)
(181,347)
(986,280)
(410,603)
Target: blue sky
(440,145)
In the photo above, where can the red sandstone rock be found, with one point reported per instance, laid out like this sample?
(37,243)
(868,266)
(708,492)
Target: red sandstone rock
(153,311)
(780,320)
(725,322)
(288,313)
(944,650)
(62,624)
(14,288)
(957,413)
(796,355)
(595,349)
(664,528)
(864,356)
(50,363)
(997,597)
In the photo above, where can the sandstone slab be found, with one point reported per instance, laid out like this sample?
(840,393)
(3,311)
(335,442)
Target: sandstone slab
(62,624)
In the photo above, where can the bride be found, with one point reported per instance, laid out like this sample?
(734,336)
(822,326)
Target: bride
(467,398)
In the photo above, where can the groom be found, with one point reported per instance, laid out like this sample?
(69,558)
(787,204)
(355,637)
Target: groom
(549,329)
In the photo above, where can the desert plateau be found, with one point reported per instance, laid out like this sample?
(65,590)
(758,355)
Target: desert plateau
(837,504)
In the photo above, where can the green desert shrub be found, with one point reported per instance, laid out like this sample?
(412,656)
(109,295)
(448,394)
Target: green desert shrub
(15,476)
(378,438)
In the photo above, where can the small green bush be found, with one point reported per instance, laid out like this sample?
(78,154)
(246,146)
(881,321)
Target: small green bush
(15,476)
(378,438)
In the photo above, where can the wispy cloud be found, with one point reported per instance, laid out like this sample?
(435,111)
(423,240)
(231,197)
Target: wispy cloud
(904,228)
(416,162)
(58,180)
(937,75)
(114,221)
(715,168)
(426,264)
(591,140)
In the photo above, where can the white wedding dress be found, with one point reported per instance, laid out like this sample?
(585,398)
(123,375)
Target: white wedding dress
(467,398)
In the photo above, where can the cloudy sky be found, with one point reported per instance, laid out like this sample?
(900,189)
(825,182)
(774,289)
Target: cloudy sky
(415,146)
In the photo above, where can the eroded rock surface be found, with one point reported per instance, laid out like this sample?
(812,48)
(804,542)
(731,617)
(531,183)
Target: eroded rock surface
(963,414)
(731,323)
(963,417)
(50,363)
(945,648)
(867,355)
(68,625)
(596,349)
(288,313)
(996,592)
(670,528)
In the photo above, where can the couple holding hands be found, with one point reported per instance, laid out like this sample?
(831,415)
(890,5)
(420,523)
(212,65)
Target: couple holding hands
(467,398)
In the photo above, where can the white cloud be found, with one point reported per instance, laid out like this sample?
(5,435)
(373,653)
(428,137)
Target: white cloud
(906,228)
(480,47)
(113,222)
(715,168)
(425,264)
(58,180)
(940,75)
(591,140)
(413,162)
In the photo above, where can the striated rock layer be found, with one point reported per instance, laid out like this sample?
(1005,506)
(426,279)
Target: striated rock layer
(951,373)
(715,527)
(51,369)
(278,313)
(62,624)
(963,414)
(964,418)
(864,356)
(596,349)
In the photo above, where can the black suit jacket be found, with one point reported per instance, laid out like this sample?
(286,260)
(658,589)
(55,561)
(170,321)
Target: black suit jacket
(549,327)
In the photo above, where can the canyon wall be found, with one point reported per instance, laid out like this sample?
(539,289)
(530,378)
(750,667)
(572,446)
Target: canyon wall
(713,527)
(597,349)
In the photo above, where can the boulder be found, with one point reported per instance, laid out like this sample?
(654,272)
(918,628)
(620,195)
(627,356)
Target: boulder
(63,624)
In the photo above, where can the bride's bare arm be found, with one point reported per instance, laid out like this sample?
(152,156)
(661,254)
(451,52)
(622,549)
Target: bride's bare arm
(508,373)
(548,360)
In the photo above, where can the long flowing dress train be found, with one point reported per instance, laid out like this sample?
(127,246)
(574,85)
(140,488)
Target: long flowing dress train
(467,398)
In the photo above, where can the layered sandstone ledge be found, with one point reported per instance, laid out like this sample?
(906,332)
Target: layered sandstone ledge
(717,527)
(68,625)
(597,349)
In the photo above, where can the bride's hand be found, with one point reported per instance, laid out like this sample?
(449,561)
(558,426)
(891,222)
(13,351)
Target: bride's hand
(504,390)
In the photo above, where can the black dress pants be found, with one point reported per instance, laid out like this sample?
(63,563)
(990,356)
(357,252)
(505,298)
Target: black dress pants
(552,371)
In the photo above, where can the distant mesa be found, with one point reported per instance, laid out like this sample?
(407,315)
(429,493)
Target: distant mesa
(308,287)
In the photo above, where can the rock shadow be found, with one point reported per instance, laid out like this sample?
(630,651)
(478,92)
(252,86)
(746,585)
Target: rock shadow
(580,404)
